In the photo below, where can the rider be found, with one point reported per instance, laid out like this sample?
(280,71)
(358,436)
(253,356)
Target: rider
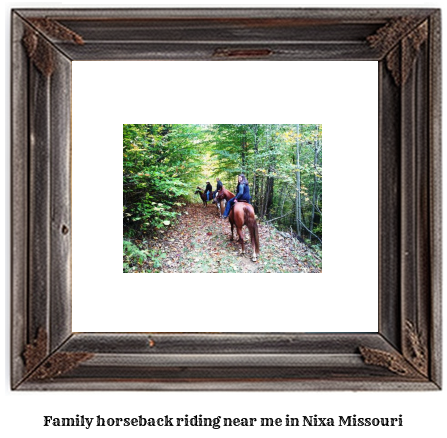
(219,186)
(208,190)
(243,194)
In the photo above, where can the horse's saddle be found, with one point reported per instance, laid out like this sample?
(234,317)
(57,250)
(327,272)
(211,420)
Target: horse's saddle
(234,203)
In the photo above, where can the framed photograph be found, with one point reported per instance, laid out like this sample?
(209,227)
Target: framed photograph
(180,341)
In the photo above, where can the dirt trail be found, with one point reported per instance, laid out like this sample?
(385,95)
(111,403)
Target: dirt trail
(200,242)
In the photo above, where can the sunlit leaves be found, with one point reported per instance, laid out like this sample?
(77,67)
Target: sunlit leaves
(164,163)
(158,164)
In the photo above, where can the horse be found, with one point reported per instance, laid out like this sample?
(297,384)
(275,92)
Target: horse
(220,203)
(202,194)
(242,214)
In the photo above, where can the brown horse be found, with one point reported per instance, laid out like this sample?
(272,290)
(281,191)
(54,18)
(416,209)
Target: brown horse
(220,203)
(202,194)
(242,214)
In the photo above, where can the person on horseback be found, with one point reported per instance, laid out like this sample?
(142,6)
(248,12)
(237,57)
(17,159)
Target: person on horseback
(208,190)
(243,194)
(219,186)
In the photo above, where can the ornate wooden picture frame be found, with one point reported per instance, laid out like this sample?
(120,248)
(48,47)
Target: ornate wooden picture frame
(405,353)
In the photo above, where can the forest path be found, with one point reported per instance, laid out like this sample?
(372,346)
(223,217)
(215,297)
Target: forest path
(200,242)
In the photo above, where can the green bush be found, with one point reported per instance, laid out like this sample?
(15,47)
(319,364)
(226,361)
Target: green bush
(132,256)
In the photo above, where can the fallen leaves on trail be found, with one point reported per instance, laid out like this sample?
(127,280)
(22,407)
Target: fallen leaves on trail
(200,242)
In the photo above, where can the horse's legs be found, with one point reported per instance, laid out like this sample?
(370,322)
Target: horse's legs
(240,232)
(232,228)
(252,239)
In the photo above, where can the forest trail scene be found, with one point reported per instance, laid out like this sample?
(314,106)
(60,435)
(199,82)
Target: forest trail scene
(167,228)
(200,242)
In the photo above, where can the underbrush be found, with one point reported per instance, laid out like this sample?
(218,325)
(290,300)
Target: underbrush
(139,260)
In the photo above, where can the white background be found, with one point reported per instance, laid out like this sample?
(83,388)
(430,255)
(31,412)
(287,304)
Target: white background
(22,413)
(338,300)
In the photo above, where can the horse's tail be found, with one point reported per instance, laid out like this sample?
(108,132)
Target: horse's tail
(252,225)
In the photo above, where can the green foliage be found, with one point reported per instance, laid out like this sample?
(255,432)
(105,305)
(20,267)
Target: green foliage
(156,257)
(164,163)
(160,166)
(267,155)
(132,256)
(136,259)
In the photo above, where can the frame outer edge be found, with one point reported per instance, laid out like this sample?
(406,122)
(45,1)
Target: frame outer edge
(435,136)
(222,385)
(348,13)
(19,199)
(409,193)
(26,191)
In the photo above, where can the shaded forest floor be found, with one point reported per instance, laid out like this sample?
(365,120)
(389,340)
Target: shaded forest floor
(200,242)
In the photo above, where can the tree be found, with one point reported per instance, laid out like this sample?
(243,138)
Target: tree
(298,182)
(163,164)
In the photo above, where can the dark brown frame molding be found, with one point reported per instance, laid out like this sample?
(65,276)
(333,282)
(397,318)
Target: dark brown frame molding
(405,354)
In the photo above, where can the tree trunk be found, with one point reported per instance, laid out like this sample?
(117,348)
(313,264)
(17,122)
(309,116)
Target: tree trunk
(264,185)
(255,148)
(298,183)
(268,193)
(271,178)
(282,198)
(269,197)
(261,198)
(314,198)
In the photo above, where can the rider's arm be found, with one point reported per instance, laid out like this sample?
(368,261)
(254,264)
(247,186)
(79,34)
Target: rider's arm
(240,192)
